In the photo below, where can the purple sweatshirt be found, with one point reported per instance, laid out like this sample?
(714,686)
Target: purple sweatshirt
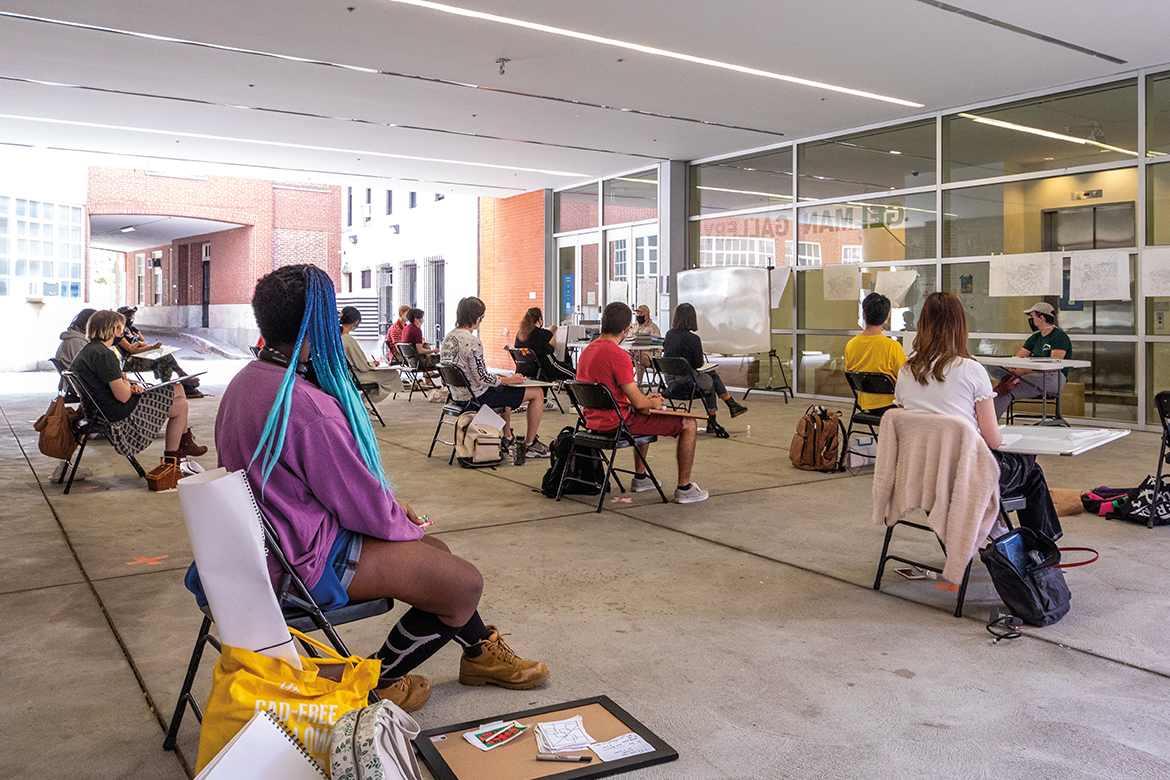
(320,480)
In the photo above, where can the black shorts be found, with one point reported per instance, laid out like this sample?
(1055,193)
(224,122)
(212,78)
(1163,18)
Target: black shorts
(509,396)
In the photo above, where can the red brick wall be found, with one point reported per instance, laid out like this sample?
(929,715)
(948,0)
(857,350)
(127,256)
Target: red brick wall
(282,224)
(511,243)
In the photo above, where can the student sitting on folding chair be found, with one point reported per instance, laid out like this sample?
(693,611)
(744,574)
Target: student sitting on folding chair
(381,384)
(682,341)
(315,469)
(873,352)
(604,361)
(942,377)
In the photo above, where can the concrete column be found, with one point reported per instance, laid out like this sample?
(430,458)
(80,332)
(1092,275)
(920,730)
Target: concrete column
(672,222)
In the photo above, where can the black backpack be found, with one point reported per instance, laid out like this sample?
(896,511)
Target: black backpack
(1021,565)
(1140,505)
(562,456)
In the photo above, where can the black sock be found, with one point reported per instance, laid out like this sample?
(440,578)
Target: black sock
(472,633)
(640,475)
(685,487)
(414,639)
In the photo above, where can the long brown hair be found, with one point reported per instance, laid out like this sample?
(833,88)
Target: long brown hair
(528,324)
(942,337)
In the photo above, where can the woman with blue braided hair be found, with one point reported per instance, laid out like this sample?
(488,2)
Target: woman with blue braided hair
(294,422)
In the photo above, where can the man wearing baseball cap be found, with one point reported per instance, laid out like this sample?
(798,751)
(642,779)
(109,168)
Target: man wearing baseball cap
(1046,341)
(645,327)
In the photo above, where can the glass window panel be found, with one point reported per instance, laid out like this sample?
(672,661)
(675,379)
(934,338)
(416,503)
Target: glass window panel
(47,248)
(75,252)
(3,204)
(21,227)
(821,363)
(47,269)
(75,270)
(4,267)
(814,312)
(34,247)
(753,371)
(21,208)
(22,246)
(46,211)
(630,198)
(891,159)
(1012,218)
(1158,204)
(34,230)
(3,226)
(62,232)
(34,209)
(63,251)
(1157,117)
(3,246)
(887,230)
(21,267)
(748,240)
(575,209)
(50,289)
(3,286)
(75,289)
(75,215)
(34,267)
(75,235)
(1085,127)
(749,182)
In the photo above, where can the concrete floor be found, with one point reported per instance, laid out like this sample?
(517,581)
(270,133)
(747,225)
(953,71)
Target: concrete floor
(743,630)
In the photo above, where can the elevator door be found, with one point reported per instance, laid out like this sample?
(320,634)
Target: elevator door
(1108,226)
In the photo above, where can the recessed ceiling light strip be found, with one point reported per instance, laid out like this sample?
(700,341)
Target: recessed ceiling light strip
(450,9)
(289,145)
(376,72)
(308,115)
(341,175)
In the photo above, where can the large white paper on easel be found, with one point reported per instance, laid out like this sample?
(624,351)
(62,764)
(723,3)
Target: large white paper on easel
(1102,275)
(778,281)
(895,284)
(842,282)
(228,542)
(1037,274)
(1156,272)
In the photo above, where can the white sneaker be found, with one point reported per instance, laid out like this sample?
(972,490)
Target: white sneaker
(641,484)
(190,468)
(550,404)
(82,473)
(692,495)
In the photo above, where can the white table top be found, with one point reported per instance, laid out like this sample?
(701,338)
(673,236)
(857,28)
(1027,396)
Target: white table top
(1039,440)
(1030,363)
(535,383)
(156,354)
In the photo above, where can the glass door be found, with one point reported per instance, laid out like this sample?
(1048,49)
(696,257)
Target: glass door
(579,295)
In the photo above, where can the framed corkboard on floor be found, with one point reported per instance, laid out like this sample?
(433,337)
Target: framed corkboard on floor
(451,757)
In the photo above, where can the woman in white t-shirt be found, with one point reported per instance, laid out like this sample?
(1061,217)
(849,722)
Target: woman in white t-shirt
(942,377)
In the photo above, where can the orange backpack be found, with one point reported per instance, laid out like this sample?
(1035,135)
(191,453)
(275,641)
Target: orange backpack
(817,442)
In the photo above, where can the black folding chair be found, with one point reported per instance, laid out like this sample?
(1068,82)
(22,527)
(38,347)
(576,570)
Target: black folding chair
(300,612)
(528,364)
(454,379)
(597,397)
(63,386)
(1162,404)
(418,372)
(865,382)
(365,390)
(95,422)
(677,381)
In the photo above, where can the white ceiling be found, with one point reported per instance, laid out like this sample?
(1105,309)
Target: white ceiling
(130,97)
(109,231)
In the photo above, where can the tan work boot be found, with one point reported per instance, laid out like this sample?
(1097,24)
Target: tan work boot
(498,665)
(410,691)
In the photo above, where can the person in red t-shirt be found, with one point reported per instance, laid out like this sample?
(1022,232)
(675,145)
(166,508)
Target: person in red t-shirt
(606,362)
(428,356)
(394,334)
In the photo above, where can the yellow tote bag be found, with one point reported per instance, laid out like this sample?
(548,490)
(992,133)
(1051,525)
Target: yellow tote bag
(306,701)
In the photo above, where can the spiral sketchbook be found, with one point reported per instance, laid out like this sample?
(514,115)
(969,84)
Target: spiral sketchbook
(262,750)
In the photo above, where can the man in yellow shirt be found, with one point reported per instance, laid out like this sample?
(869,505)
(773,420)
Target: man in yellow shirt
(871,351)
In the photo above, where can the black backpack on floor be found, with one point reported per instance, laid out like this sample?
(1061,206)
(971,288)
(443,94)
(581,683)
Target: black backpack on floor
(562,456)
(1021,565)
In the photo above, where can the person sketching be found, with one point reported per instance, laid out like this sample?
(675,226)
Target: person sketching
(385,382)
(1046,341)
(682,341)
(646,327)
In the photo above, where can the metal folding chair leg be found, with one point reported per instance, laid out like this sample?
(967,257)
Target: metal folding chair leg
(186,698)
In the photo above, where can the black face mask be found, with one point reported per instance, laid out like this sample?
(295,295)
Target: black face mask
(641,319)
(1032,324)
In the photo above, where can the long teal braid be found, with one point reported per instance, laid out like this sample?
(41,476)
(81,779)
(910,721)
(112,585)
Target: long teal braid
(319,323)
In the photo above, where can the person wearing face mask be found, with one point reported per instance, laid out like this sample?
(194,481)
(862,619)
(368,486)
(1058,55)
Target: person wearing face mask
(643,326)
(1046,341)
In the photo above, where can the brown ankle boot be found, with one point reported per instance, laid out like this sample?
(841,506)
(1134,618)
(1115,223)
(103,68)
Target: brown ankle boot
(188,448)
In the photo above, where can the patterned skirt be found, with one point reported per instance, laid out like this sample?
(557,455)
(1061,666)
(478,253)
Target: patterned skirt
(135,433)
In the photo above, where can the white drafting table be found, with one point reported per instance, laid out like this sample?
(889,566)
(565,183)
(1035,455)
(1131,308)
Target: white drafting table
(1042,365)
(1035,440)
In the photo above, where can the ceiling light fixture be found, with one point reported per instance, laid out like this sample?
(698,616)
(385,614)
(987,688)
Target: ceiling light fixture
(288,145)
(1045,133)
(450,9)
(127,229)
(894,151)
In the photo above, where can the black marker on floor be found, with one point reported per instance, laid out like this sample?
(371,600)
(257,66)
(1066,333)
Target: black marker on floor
(560,757)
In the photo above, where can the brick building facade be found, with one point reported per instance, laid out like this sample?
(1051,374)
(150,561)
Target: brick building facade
(511,268)
(205,281)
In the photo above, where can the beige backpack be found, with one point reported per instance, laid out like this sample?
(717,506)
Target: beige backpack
(476,444)
(817,442)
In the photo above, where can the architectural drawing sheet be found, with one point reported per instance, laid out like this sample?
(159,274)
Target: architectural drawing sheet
(778,280)
(895,284)
(1102,275)
(842,282)
(1031,275)
(1156,272)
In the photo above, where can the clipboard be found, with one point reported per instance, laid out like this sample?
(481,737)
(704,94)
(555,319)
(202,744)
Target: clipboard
(450,757)
(174,381)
